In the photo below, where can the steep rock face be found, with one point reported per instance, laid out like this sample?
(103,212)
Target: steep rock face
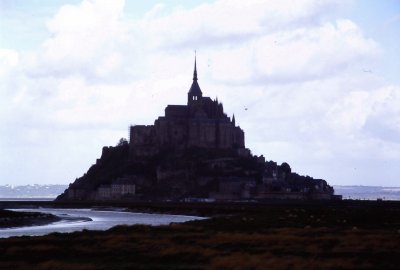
(112,164)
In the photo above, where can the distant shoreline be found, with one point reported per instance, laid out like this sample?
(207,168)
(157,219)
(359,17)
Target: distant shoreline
(27,199)
(352,192)
(193,208)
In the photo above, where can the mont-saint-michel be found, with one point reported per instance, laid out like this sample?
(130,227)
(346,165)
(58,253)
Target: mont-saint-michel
(194,152)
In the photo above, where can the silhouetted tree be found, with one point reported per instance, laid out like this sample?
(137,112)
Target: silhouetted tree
(122,142)
(285,168)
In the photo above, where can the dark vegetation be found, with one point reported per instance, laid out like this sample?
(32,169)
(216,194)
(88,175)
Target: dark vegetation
(277,235)
(18,219)
(113,164)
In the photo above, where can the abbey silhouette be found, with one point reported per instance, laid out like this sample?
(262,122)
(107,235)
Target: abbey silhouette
(194,152)
(200,123)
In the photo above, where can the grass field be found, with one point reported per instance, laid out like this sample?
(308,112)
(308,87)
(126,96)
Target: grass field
(341,235)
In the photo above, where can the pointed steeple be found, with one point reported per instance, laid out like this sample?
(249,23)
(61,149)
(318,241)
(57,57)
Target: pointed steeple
(195,68)
(195,94)
(233,120)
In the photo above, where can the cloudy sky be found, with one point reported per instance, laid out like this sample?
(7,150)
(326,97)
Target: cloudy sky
(313,83)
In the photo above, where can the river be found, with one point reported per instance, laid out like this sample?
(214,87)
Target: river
(90,219)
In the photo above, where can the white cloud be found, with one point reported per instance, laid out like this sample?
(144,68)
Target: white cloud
(8,60)
(88,39)
(360,108)
(295,55)
(226,22)
(292,75)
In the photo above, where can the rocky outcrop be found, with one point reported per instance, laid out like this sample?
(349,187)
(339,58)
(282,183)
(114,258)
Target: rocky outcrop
(194,174)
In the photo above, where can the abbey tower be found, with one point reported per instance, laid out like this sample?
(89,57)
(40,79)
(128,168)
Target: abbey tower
(201,123)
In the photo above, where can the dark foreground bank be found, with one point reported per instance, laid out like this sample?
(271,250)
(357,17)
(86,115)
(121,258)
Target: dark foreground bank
(9,219)
(340,235)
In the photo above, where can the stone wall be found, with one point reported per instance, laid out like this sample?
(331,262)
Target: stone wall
(201,124)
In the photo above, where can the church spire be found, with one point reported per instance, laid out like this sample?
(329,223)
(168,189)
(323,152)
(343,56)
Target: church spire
(195,68)
(195,95)
(233,120)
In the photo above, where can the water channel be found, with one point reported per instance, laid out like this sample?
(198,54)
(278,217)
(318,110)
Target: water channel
(90,219)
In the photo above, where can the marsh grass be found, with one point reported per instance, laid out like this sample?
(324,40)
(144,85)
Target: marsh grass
(253,237)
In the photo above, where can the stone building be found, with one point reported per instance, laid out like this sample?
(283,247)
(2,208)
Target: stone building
(104,192)
(200,123)
(123,186)
(119,188)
